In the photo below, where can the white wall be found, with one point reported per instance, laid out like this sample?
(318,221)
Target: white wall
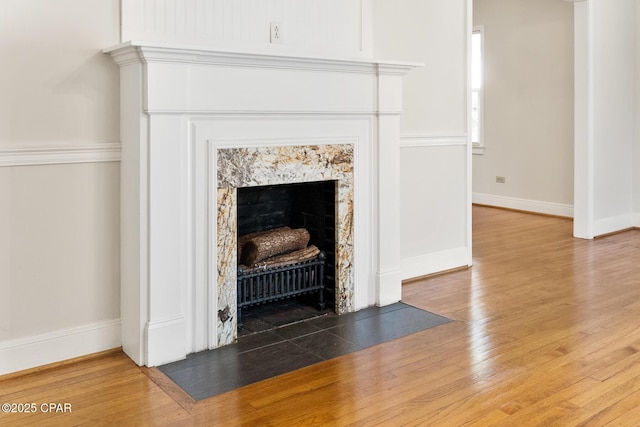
(528,105)
(612,34)
(605,165)
(435,215)
(59,186)
(636,161)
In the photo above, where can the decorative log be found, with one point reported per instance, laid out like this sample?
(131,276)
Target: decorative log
(271,244)
(245,238)
(294,257)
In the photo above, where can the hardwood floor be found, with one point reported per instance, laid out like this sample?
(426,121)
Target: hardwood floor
(546,332)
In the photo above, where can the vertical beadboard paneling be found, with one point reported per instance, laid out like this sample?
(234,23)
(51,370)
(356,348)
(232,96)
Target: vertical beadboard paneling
(200,18)
(147,10)
(183,18)
(216,17)
(308,26)
(161,16)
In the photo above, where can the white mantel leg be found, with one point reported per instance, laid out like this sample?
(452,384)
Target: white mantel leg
(388,276)
(166,329)
(133,214)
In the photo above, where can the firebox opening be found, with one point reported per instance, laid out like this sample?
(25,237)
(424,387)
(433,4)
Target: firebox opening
(311,206)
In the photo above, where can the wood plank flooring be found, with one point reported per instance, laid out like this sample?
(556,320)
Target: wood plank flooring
(546,332)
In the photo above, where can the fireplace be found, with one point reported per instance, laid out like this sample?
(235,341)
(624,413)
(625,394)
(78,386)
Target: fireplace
(197,125)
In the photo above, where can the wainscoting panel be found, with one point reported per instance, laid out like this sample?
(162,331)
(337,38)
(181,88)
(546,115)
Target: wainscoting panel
(434,203)
(59,256)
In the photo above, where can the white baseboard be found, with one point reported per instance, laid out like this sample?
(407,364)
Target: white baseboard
(389,285)
(53,155)
(166,341)
(435,262)
(612,224)
(30,352)
(536,206)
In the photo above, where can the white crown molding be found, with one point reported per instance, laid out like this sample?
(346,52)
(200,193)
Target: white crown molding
(42,155)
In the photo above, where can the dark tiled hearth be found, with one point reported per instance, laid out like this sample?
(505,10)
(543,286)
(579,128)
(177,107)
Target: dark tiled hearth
(282,349)
(280,313)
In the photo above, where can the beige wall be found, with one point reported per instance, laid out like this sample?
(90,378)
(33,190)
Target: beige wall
(435,232)
(431,32)
(528,101)
(59,252)
(59,223)
(57,87)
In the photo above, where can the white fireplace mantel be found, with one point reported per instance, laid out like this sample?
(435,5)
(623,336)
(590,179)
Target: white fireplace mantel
(181,104)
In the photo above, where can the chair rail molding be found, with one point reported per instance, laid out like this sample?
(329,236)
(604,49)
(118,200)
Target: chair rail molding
(60,154)
(432,140)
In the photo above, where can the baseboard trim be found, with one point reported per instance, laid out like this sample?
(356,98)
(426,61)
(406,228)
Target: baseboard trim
(42,155)
(435,262)
(55,365)
(607,226)
(547,208)
(166,341)
(389,287)
(30,352)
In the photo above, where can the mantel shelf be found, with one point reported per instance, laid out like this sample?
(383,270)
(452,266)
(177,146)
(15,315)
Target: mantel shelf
(165,52)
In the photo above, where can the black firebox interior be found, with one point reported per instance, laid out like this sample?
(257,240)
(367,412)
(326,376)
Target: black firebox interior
(310,205)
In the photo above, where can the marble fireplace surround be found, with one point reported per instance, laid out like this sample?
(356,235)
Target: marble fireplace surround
(256,166)
(198,123)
